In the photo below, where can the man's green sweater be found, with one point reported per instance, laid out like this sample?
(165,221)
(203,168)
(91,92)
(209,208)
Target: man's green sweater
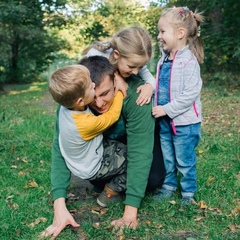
(139,131)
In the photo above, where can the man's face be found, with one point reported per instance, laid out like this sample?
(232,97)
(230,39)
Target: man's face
(104,94)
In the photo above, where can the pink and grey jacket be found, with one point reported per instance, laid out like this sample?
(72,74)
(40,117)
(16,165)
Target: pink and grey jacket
(185,86)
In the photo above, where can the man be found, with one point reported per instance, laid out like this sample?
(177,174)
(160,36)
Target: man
(136,126)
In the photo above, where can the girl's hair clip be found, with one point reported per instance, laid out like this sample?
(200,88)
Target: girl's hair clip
(199,31)
(183,10)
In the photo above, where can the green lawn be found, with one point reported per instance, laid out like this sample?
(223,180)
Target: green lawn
(26,130)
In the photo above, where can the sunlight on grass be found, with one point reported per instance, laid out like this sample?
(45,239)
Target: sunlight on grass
(19,89)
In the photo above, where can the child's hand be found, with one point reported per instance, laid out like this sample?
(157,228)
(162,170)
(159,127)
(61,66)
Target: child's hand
(120,84)
(145,95)
(158,111)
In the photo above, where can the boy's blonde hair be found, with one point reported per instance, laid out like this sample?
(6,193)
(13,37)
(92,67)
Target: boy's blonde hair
(68,83)
(183,17)
(128,42)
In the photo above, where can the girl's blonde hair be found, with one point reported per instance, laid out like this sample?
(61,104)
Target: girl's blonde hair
(128,42)
(68,83)
(183,17)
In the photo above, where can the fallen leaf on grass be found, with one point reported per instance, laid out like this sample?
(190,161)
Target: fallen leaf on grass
(13,205)
(81,235)
(72,198)
(37,221)
(185,234)
(238,176)
(215,210)
(9,197)
(73,211)
(96,225)
(210,180)
(25,172)
(198,219)
(32,184)
(236,211)
(70,195)
(148,222)
(237,200)
(233,228)
(99,211)
(202,205)
(157,225)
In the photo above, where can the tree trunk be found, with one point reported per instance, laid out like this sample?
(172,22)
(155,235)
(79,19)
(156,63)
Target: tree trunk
(14,59)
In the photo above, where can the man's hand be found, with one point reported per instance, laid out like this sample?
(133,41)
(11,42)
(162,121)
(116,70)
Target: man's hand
(129,219)
(62,218)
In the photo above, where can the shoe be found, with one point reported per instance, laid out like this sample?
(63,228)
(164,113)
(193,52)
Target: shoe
(163,193)
(108,196)
(97,189)
(187,201)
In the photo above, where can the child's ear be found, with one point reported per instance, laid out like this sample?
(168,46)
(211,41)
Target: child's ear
(116,54)
(181,33)
(80,102)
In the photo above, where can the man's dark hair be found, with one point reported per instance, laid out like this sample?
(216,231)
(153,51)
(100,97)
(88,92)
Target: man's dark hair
(99,67)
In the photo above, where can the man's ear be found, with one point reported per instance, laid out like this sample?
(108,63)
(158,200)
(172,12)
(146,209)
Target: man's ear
(182,33)
(116,54)
(114,83)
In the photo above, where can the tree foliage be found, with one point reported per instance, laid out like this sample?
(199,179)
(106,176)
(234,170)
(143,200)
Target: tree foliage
(99,20)
(34,33)
(220,32)
(27,46)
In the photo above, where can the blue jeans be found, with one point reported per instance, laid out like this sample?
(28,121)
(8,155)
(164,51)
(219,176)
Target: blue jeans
(179,155)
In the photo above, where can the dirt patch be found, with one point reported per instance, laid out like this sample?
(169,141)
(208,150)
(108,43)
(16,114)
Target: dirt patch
(82,189)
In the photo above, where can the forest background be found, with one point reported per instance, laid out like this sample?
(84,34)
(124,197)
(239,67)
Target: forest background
(38,36)
(38,33)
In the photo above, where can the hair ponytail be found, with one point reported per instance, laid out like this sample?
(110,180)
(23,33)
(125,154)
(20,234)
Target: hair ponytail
(100,46)
(196,42)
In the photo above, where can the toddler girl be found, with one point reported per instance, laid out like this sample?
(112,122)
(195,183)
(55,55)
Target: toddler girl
(178,99)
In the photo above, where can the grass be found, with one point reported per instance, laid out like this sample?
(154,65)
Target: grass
(26,130)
